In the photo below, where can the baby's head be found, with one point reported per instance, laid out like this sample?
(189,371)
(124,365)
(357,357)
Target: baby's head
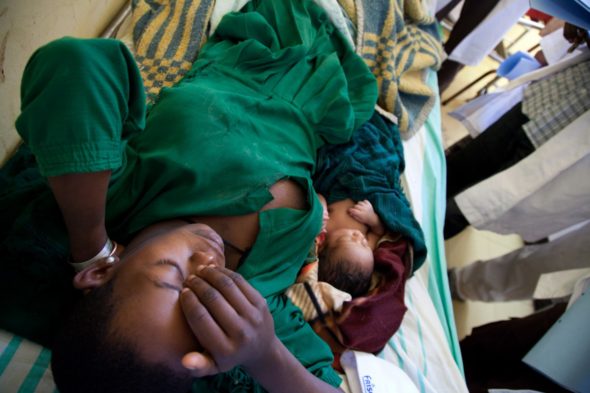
(346,261)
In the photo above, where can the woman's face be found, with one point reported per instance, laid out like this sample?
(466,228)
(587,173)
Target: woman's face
(147,287)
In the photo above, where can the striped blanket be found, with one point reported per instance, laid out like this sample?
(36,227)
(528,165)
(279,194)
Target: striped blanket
(397,40)
(167,36)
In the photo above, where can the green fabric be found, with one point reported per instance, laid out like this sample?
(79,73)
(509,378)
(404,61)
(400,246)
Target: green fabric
(87,98)
(272,85)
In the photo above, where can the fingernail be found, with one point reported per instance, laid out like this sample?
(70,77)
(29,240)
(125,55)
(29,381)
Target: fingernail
(191,364)
(191,277)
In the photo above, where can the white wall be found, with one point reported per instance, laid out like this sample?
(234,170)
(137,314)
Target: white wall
(27,24)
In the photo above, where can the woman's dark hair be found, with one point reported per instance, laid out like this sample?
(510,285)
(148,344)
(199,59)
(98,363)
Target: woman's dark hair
(89,357)
(343,274)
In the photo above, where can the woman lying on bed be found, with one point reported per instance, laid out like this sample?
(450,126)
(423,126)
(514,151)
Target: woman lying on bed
(232,146)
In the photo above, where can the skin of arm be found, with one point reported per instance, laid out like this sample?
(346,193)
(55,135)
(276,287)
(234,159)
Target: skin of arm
(232,322)
(82,198)
(575,35)
(363,212)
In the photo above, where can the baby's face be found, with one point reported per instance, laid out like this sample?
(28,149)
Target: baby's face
(353,244)
(344,236)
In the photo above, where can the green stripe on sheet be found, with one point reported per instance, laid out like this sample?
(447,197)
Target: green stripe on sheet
(36,372)
(434,189)
(423,373)
(402,342)
(9,352)
(396,350)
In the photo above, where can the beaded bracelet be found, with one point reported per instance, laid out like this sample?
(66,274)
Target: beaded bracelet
(107,252)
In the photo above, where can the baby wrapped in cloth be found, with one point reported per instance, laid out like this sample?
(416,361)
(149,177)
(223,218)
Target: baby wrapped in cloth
(367,167)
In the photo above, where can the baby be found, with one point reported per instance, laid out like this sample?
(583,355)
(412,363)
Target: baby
(349,236)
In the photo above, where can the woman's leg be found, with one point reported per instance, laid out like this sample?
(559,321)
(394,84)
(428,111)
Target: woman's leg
(514,276)
(492,353)
(472,13)
(500,146)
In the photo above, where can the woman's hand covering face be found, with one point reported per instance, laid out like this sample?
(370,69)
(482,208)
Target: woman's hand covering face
(229,318)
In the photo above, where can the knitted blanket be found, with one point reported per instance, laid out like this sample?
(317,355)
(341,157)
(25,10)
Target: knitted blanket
(399,42)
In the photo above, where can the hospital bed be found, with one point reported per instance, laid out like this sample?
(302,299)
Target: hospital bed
(425,347)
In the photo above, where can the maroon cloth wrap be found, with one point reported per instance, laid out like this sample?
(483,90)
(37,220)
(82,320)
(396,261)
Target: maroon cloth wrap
(366,323)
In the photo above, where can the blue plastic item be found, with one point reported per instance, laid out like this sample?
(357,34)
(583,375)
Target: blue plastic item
(516,65)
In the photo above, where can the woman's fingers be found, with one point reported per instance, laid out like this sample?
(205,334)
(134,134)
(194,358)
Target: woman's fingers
(253,296)
(224,301)
(198,316)
(228,317)
(208,306)
(232,286)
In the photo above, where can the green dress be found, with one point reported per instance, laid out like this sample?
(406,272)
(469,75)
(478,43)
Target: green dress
(274,83)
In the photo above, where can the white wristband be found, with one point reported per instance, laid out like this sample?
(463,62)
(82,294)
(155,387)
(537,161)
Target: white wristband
(107,252)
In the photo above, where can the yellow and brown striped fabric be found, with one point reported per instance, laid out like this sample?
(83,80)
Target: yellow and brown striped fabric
(399,41)
(167,36)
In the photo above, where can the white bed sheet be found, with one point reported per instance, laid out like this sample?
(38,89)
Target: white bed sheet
(426,345)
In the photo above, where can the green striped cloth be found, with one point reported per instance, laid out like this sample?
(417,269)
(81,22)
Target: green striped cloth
(24,366)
